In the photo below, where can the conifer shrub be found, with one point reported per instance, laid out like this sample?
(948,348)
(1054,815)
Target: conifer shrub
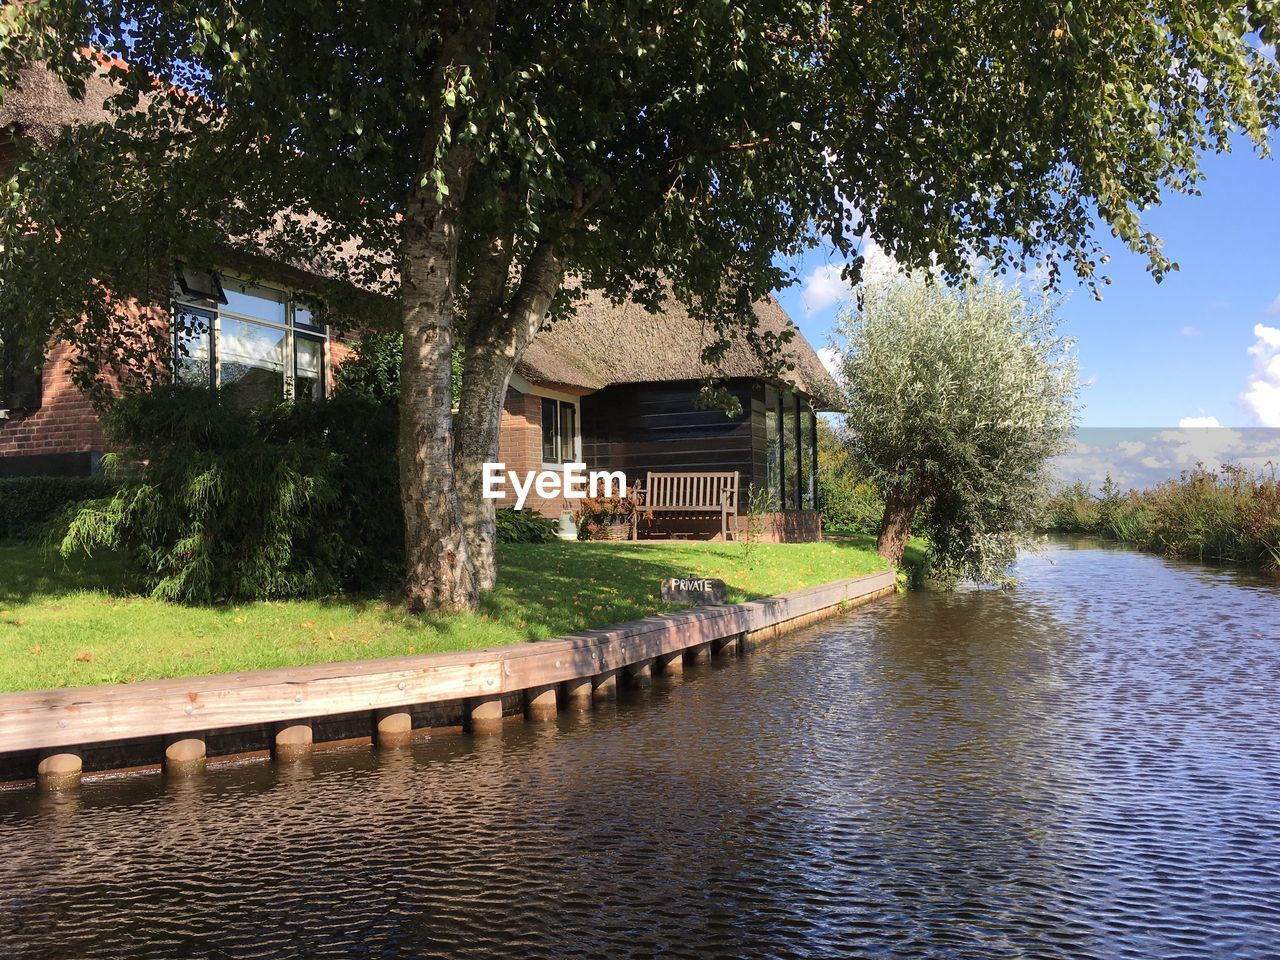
(216,502)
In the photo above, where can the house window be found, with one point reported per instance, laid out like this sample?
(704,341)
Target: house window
(773,459)
(791,442)
(813,459)
(252,342)
(559,431)
(790,462)
(20,377)
(805,458)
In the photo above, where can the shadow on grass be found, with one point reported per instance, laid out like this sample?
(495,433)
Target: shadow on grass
(29,572)
(554,588)
(544,590)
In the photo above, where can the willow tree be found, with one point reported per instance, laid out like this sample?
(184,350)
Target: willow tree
(475,155)
(957,398)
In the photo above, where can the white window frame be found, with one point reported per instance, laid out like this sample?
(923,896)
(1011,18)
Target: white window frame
(290,328)
(569,400)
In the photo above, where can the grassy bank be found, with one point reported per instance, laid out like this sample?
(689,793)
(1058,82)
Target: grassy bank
(68,624)
(1226,516)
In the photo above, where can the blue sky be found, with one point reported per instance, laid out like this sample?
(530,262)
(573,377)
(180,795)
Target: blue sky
(1201,348)
(1155,354)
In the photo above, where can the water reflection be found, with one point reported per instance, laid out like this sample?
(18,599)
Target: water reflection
(1085,767)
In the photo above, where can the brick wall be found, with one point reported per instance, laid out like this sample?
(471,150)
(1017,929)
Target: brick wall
(520,447)
(65,422)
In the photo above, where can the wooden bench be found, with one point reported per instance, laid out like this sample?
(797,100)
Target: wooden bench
(688,494)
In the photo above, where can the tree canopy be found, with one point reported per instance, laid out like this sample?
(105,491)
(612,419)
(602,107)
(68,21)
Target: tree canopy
(461,159)
(957,398)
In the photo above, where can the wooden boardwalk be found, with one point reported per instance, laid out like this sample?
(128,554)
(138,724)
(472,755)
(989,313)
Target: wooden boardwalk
(550,673)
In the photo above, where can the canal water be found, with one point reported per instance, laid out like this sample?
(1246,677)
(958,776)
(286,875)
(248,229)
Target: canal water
(1087,766)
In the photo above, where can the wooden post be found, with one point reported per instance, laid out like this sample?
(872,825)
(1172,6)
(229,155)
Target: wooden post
(184,756)
(577,694)
(727,646)
(640,675)
(700,653)
(540,704)
(604,686)
(59,771)
(292,742)
(671,664)
(485,715)
(393,728)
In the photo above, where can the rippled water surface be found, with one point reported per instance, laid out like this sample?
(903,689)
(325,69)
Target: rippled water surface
(1085,767)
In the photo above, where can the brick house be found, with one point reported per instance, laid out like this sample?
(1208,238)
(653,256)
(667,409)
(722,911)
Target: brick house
(614,386)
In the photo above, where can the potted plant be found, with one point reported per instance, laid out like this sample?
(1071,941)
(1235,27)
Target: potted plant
(606,518)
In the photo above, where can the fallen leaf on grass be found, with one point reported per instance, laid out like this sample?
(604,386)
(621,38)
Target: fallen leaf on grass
(35,649)
(85,657)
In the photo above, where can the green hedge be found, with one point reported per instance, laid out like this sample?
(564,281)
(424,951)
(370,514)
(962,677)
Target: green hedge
(27,504)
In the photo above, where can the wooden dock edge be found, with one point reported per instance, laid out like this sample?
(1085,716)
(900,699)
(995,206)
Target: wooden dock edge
(53,728)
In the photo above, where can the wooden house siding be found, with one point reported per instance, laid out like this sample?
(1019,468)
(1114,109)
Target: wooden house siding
(659,426)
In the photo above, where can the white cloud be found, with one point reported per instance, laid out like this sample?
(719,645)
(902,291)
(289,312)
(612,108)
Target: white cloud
(1262,392)
(876,264)
(1142,458)
(1190,332)
(1274,309)
(831,359)
(823,287)
(1201,440)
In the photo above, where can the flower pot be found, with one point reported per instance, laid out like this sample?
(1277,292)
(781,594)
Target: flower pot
(617,531)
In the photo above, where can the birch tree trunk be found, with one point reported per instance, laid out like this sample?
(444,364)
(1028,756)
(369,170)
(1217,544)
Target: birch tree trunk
(439,573)
(494,345)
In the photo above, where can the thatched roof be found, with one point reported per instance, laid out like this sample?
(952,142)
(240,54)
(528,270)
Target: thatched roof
(605,343)
(39,106)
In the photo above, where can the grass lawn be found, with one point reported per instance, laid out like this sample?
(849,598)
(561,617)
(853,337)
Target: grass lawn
(71,624)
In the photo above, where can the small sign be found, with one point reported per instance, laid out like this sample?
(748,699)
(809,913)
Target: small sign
(693,589)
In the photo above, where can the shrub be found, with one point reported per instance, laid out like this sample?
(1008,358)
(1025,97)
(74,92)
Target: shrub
(851,506)
(373,369)
(524,526)
(1229,515)
(1071,509)
(29,504)
(219,503)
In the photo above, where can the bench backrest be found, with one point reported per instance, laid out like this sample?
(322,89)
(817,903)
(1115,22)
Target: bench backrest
(694,491)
